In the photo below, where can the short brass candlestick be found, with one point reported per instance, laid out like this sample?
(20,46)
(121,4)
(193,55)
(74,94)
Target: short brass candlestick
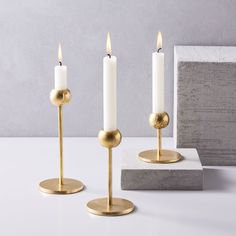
(60,185)
(110,206)
(159,121)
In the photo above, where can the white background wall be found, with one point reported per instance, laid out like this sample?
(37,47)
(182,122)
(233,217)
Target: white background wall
(29,35)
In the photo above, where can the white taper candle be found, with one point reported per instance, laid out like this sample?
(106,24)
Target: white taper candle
(109,89)
(158,87)
(60,73)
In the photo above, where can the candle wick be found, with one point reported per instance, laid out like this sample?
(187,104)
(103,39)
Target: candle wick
(159,49)
(109,55)
(60,63)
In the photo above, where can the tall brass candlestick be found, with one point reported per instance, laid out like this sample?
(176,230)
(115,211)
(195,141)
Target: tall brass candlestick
(60,185)
(159,121)
(110,206)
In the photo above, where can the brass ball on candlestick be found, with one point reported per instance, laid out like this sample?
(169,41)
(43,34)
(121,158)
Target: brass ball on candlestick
(110,206)
(60,97)
(60,185)
(109,139)
(159,155)
(159,120)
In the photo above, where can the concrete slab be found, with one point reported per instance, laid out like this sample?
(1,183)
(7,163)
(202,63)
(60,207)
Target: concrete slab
(184,175)
(205,102)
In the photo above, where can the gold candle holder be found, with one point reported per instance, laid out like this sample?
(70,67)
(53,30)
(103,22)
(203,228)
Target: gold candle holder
(110,206)
(60,185)
(159,121)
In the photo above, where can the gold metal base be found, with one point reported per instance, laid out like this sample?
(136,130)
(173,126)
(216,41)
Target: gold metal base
(167,156)
(118,207)
(69,186)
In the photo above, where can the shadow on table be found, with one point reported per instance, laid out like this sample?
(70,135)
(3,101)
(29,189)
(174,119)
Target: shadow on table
(219,179)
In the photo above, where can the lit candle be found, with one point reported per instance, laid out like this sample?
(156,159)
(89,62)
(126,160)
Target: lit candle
(109,89)
(158,78)
(60,74)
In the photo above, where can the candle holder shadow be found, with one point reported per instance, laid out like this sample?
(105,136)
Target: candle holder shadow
(60,185)
(159,121)
(110,206)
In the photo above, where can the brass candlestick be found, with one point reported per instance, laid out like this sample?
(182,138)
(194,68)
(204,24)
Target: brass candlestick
(110,206)
(159,121)
(60,185)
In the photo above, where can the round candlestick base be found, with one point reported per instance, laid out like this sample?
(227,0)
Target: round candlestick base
(69,186)
(167,156)
(118,207)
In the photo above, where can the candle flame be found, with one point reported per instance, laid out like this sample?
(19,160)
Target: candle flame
(159,41)
(59,54)
(108,44)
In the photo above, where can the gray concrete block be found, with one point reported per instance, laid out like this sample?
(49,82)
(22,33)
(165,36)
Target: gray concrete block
(184,175)
(205,102)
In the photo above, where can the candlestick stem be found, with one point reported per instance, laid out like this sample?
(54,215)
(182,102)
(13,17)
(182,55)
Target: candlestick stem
(109,177)
(60,185)
(158,144)
(60,135)
(159,121)
(109,206)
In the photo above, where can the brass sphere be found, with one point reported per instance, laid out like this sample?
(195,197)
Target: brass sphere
(109,139)
(60,97)
(159,120)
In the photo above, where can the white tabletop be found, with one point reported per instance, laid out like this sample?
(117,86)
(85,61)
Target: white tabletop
(25,211)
